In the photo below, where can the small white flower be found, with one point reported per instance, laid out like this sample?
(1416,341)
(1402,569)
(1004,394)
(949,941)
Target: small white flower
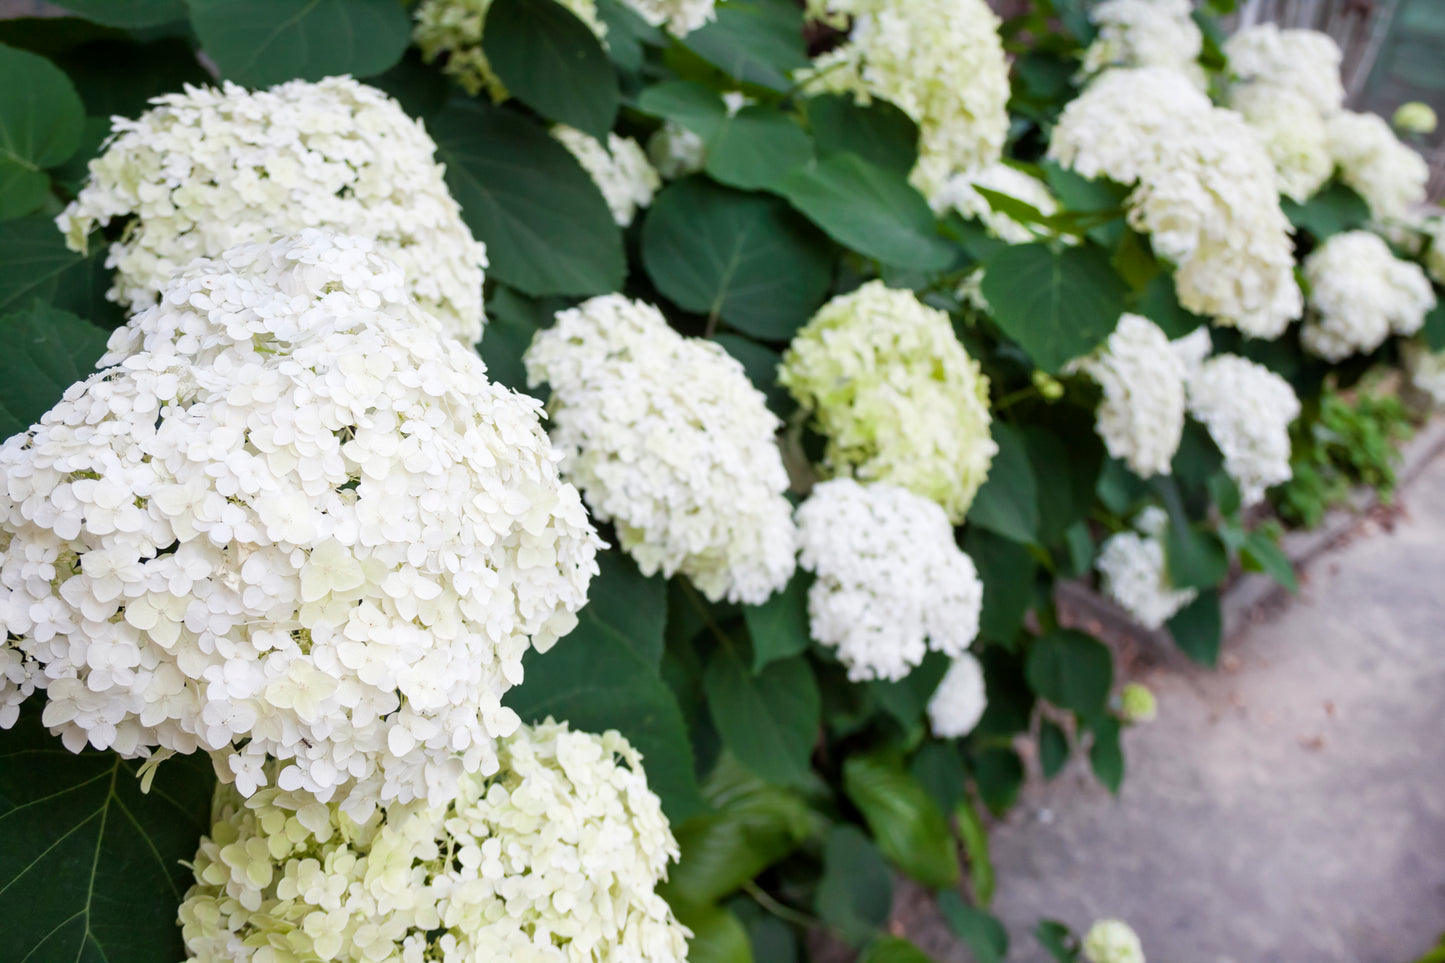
(1248,410)
(1112,941)
(959,701)
(1135,574)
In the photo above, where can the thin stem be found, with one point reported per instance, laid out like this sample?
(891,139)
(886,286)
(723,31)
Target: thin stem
(1015,397)
(707,618)
(781,910)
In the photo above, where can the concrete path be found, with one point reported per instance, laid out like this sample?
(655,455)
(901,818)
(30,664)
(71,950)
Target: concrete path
(1287,808)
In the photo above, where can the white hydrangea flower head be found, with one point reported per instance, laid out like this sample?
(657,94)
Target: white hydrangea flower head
(555,858)
(960,193)
(680,17)
(1136,574)
(1426,371)
(1292,133)
(1112,941)
(289,519)
(1247,409)
(1360,294)
(620,170)
(896,395)
(958,703)
(892,582)
(451,30)
(676,151)
(1192,349)
(1146,33)
(1389,175)
(205,170)
(1304,62)
(1205,192)
(940,61)
(1141,418)
(669,441)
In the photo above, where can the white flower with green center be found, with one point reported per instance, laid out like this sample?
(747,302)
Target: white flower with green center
(1360,294)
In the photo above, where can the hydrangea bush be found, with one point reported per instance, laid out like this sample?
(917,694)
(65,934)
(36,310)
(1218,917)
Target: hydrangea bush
(715,583)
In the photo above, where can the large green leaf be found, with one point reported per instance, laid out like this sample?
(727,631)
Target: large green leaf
(43,351)
(691,105)
(629,604)
(855,893)
(753,41)
(1053,749)
(718,935)
(1058,304)
(545,223)
(779,627)
(761,364)
(35,263)
(263,42)
(877,131)
(983,933)
(41,117)
(118,78)
(1336,208)
(1008,501)
(1198,628)
(128,13)
(1197,559)
(90,867)
(1072,670)
(551,61)
(756,147)
(1007,570)
(513,319)
(769,720)
(871,209)
(894,949)
(746,258)
(1106,755)
(999,775)
(907,824)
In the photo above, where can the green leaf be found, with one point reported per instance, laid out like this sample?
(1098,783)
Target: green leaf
(999,775)
(1196,559)
(717,935)
(1106,756)
(894,949)
(1058,940)
(871,209)
(691,105)
(1072,670)
(1159,302)
(770,720)
(627,34)
(551,61)
(1007,571)
(938,767)
(128,14)
(1198,628)
(779,627)
(773,940)
(855,893)
(1070,455)
(596,681)
(1335,209)
(756,147)
(753,41)
(1008,501)
(119,78)
(513,319)
(1434,329)
(421,89)
(41,117)
(1057,304)
(263,42)
(35,263)
(1053,749)
(634,606)
(975,847)
(90,867)
(877,132)
(1260,553)
(747,258)
(43,351)
(907,824)
(761,364)
(983,933)
(907,699)
(546,226)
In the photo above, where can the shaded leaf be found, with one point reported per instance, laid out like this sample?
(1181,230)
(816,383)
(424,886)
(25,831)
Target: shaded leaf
(1053,749)
(983,933)
(1106,755)
(1260,553)
(1006,569)
(756,147)
(717,935)
(129,13)
(999,775)
(975,847)
(877,131)
(1198,628)
(687,104)
(1196,559)
(754,41)
(779,627)
(855,893)
(1336,208)
(938,767)
(551,61)
(907,824)
(35,263)
(1008,501)
(632,605)
(41,117)
(894,949)
(1072,670)
(43,351)
(770,720)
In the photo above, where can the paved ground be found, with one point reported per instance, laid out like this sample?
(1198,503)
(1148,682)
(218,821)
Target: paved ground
(1289,808)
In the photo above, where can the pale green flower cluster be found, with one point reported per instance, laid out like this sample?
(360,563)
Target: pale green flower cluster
(1112,941)
(451,30)
(898,398)
(555,859)
(1146,33)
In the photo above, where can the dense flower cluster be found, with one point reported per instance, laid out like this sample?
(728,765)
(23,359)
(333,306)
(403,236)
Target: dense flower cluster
(1303,62)
(1360,294)
(289,519)
(1426,371)
(1112,941)
(620,170)
(1136,575)
(1247,409)
(960,193)
(1206,192)
(1146,33)
(940,61)
(958,703)
(898,398)
(207,169)
(555,859)
(670,441)
(1389,175)
(892,582)
(1141,417)
(1292,133)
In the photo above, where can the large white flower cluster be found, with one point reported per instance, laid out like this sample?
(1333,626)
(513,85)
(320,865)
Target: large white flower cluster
(1141,418)
(620,170)
(1303,62)
(1247,409)
(960,193)
(960,699)
(1112,941)
(1360,294)
(1206,192)
(1426,371)
(898,398)
(892,582)
(1146,33)
(207,169)
(940,61)
(289,519)
(1136,575)
(670,441)
(1389,175)
(555,859)
(1294,135)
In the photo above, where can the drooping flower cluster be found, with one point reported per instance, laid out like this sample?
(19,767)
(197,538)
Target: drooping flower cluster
(1360,294)
(207,169)
(1136,575)
(555,859)
(1141,418)
(958,703)
(898,398)
(289,519)
(1112,941)
(892,582)
(960,193)
(1205,193)
(670,441)
(940,61)
(1146,33)
(1247,409)
(1303,62)
(620,170)
(1389,175)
